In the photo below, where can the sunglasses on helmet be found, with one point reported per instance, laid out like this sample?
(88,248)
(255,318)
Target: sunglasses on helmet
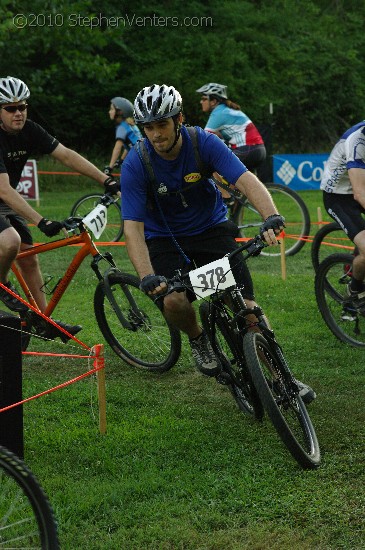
(15,108)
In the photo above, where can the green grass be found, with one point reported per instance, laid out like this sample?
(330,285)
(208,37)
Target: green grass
(180,467)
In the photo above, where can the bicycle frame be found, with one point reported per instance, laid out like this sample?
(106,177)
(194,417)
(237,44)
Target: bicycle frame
(88,248)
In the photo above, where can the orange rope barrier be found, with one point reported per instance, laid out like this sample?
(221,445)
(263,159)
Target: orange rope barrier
(60,386)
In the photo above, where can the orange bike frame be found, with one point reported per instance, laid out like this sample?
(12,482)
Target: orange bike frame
(88,247)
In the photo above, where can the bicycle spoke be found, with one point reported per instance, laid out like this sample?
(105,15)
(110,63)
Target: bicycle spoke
(146,340)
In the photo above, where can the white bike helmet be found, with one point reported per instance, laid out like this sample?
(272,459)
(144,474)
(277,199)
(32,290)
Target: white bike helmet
(213,89)
(12,90)
(124,105)
(157,102)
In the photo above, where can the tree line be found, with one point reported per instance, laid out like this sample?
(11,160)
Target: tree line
(296,68)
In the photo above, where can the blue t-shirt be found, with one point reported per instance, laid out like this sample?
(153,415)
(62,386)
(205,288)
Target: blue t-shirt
(128,133)
(190,210)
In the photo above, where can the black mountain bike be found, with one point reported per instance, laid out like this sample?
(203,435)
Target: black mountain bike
(344,316)
(289,204)
(26,517)
(254,368)
(330,234)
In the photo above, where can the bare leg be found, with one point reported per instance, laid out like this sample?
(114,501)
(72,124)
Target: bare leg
(31,272)
(358,265)
(180,313)
(9,248)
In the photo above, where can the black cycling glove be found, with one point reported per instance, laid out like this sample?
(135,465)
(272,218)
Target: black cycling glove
(112,186)
(150,282)
(274,222)
(50,228)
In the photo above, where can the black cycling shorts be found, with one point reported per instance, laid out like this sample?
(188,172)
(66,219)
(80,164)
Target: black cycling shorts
(251,155)
(11,219)
(201,249)
(346,211)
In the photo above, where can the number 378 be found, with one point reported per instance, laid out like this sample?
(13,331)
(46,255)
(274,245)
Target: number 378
(212,278)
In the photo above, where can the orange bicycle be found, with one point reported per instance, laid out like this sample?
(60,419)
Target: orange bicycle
(129,320)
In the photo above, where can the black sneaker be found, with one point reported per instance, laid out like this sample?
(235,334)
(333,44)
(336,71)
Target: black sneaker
(358,295)
(52,332)
(204,356)
(10,301)
(306,392)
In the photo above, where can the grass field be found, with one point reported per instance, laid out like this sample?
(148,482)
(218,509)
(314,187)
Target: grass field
(180,468)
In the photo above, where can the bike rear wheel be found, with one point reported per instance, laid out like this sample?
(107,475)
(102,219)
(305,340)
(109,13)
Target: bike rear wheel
(291,206)
(114,229)
(327,235)
(229,350)
(344,318)
(147,340)
(26,517)
(282,403)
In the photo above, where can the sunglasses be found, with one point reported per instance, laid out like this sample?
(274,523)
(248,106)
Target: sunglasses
(15,108)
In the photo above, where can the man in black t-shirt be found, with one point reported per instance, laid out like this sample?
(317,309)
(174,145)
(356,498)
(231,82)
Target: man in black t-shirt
(20,138)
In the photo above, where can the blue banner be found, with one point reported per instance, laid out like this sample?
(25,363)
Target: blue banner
(299,172)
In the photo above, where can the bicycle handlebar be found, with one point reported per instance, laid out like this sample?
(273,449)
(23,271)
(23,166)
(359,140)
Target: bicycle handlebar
(178,283)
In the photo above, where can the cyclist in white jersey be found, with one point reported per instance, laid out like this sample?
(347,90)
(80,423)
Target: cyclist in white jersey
(343,186)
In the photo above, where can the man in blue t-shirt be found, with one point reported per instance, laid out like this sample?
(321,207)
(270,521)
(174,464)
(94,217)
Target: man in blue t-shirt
(183,222)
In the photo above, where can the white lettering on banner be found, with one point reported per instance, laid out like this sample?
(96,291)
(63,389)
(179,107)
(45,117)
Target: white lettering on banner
(315,174)
(28,184)
(24,186)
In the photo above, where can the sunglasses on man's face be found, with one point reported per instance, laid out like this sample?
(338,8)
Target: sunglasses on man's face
(15,108)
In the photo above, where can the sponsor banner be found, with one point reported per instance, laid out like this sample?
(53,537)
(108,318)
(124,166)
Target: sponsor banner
(299,172)
(28,184)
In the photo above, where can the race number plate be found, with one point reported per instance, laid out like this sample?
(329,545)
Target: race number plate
(96,220)
(211,278)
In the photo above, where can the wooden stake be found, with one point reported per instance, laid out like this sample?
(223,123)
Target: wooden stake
(319,214)
(100,376)
(283,257)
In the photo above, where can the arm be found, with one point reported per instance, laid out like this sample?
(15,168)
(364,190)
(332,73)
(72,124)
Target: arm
(137,248)
(357,179)
(116,153)
(257,194)
(73,160)
(13,199)
(261,199)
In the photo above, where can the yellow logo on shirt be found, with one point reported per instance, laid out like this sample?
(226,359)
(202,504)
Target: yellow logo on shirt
(193,177)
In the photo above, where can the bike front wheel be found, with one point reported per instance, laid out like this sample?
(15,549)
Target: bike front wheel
(133,325)
(291,206)
(114,229)
(228,349)
(344,318)
(329,238)
(281,400)
(26,517)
